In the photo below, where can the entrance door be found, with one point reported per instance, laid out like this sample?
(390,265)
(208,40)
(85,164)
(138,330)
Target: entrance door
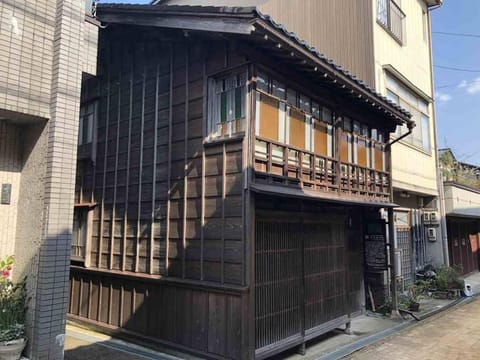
(301,282)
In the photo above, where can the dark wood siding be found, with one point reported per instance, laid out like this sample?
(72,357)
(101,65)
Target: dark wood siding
(463,243)
(208,321)
(166,205)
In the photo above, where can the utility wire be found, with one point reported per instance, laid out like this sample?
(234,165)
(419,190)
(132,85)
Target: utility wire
(456,34)
(458,85)
(456,69)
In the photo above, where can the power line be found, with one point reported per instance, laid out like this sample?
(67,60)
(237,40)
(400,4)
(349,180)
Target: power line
(456,69)
(462,84)
(456,34)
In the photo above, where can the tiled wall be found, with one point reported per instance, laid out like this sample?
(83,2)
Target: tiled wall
(10,167)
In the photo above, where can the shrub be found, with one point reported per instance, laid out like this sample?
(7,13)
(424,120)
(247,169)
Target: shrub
(13,304)
(448,278)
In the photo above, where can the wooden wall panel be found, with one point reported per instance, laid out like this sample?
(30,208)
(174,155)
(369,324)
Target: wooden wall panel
(166,204)
(208,321)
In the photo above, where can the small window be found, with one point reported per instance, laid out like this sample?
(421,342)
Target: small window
(87,122)
(79,233)
(305,103)
(262,82)
(278,89)
(392,97)
(226,108)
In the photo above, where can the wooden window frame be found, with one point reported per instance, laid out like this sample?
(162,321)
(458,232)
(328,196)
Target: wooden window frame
(87,209)
(91,126)
(214,114)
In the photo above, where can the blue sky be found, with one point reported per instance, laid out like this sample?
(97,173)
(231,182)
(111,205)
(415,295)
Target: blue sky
(458,92)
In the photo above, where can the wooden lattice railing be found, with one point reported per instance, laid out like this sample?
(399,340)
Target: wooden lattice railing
(278,163)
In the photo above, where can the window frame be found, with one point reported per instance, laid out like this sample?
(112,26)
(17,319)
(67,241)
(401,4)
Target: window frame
(91,126)
(211,123)
(86,211)
(384,19)
(421,107)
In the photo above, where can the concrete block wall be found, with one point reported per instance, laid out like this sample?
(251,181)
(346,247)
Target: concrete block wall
(44,45)
(10,168)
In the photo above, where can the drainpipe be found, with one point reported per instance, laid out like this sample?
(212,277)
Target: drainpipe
(441,194)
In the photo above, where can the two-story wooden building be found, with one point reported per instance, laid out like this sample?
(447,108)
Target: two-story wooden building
(226,172)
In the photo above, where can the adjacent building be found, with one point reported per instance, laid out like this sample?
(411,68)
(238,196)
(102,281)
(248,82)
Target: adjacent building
(229,183)
(461,187)
(44,48)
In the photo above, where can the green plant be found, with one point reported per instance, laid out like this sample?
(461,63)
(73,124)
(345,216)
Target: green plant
(448,278)
(13,304)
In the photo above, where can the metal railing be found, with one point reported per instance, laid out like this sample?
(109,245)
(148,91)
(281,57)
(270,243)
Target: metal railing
(391,17)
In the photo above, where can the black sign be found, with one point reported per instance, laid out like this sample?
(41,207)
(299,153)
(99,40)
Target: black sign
(376,246)
(6,194)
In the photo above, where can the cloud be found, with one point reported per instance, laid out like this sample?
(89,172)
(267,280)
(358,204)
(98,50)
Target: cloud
(441,97)
(472,87)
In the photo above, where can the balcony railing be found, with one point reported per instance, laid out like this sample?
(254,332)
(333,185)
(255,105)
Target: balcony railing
(281,164)
(391,17)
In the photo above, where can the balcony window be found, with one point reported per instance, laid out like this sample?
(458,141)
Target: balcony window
(226,105)
(391,17)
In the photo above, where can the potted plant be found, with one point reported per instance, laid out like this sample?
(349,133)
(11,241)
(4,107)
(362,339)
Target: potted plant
(13,306)
(447,282)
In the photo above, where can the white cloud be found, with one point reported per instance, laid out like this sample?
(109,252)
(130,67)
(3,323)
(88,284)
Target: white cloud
(472,87)
(441,97)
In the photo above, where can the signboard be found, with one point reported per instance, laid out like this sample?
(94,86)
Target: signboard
(376,246)
(6,194)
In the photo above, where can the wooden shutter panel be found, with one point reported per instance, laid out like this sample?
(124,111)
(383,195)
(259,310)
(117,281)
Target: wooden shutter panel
(321,140)
(297,129)
(268,117)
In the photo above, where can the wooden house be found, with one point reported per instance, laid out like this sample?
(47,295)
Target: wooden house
(226,170)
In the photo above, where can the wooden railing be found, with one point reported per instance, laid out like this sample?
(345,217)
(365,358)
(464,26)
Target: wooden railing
(278,163)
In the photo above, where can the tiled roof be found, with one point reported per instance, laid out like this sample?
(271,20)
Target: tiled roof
(254,13)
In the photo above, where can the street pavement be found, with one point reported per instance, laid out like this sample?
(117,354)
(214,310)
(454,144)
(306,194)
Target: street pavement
(453,334)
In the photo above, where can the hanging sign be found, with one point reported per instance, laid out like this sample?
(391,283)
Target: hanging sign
(376,246)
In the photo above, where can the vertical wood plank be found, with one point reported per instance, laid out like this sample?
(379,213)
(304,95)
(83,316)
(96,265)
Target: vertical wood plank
(169,167)
(154,165)
(140,169)
(114,213)
(185,178)
(127,179)
(102,209)
(216,324)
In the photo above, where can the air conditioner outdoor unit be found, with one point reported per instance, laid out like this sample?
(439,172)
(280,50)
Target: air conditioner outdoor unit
(432,234)
(426,218)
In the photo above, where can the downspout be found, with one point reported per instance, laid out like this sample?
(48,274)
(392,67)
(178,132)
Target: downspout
(410,126)
(441,194)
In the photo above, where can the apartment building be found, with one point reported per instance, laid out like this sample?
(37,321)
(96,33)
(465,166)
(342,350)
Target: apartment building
(45,47)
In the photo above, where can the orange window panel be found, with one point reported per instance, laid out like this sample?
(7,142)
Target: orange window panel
(321,141)
(362,152)
(378,157)
(344,148)
(297,129)
(268,117)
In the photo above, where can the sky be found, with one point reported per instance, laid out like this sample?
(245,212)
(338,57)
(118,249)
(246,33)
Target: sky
(458,92)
